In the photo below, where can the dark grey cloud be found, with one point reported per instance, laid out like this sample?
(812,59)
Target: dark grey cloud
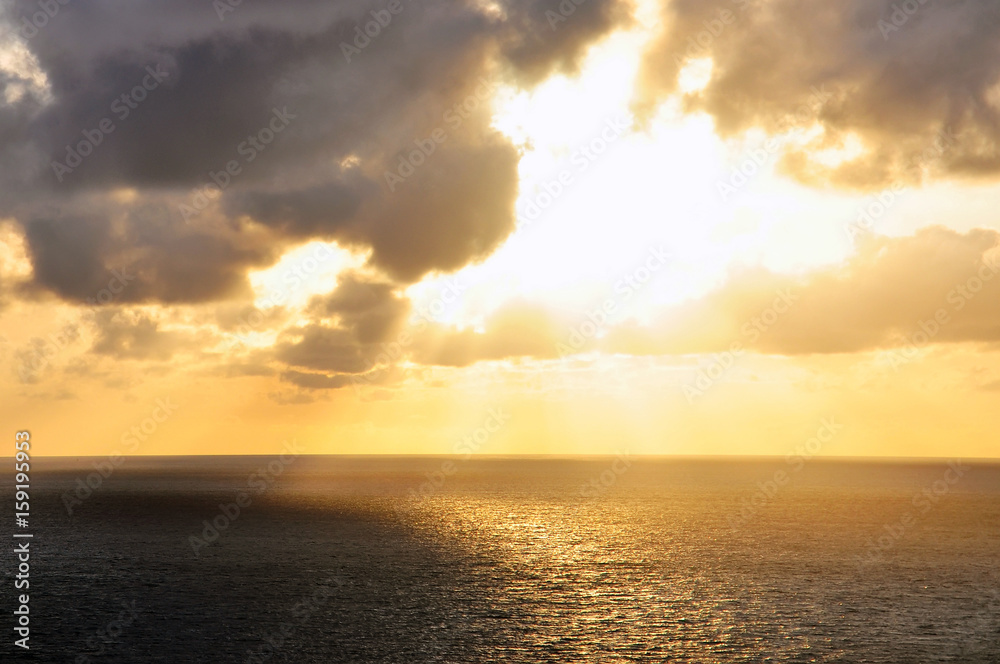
(547,34)
(350,329)
(199,91)
(372,311)
(321,348)
(896,84)
(104,256)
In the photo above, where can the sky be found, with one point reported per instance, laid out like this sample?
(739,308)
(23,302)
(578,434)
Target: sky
(748,227)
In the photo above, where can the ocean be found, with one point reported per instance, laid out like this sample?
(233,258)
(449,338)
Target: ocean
(446,559)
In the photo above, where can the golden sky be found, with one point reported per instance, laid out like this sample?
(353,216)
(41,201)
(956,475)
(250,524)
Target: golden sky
(660,227)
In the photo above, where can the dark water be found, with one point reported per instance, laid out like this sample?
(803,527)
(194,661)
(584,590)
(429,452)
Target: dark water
(340,560)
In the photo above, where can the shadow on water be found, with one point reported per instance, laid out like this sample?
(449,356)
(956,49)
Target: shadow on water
(295,578)
(510,560)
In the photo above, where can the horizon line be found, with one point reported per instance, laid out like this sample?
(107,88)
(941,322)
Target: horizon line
(664,456)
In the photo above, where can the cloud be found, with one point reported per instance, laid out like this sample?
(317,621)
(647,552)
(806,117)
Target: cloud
(883,297)
(896,90)
(345,334)
(347,326)
(335,356)
(242,318)
(517,329)
(545,35)
(315,381)
(138,336)
(371,311)
(246,369)
(33,360)
(298,137)
(136,258)
(320,347)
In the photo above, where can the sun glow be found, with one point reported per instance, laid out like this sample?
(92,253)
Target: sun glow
(303,272)
(695,75)
(597,193)
(26,75)
(15,262)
